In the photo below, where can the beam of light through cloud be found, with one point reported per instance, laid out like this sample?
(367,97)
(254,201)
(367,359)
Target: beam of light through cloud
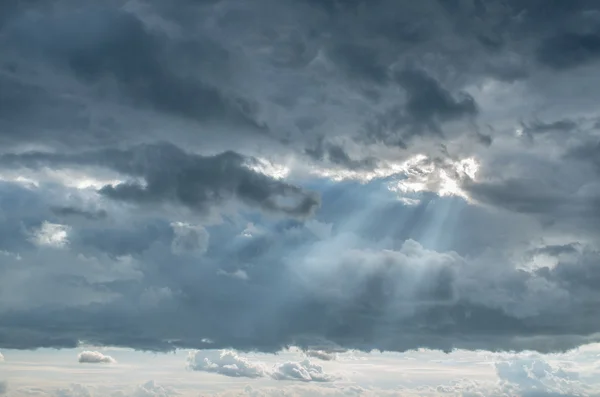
(235,178)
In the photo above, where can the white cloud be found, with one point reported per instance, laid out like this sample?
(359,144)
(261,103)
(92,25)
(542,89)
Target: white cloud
(51,235)
(226,362)
(535,374)
(1,358)
(75,390)
(93,357)
(191,239)
(304,371)
(321,355)
(151,389)
(229,363)
(239,274)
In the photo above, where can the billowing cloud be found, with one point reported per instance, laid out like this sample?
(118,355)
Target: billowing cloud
(229,363)
(152,389)
(304,371)
(93,357)
(536,377)
(321,355)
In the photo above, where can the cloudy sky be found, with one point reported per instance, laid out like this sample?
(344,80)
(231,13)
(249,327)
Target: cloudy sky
(299,198)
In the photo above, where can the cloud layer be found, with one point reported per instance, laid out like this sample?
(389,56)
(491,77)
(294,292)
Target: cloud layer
(229,363)
(328,174)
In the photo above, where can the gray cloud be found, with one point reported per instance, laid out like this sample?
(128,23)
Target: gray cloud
(172,175)
(427,107)
(92,357)
(534,377)
(78,212)
(428,102)
(189,238)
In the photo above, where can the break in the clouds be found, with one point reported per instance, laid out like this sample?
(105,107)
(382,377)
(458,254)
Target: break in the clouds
(93,357)
(328,174)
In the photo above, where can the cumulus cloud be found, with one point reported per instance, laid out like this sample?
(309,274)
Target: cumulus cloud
(229,363)
(189,238)
(74,390)
(536,377)
(304,371)
(226,362)
(93,357)
(321,355)
(152,389)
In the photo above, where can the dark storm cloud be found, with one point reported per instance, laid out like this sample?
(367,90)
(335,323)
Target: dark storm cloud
(586,153)
(556,250)
(568,50)
(427,107)
(79,212)
(360,62)
(540,127)
(101,42)
(88,91)
(429,103)
(337,155)
(172,175)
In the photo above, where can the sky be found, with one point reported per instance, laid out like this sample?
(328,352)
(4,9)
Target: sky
(299,198)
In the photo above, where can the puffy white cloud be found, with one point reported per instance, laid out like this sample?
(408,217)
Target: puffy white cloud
(230,363)
(152,389)
(304,371)
(94,357)
(531,375)
(226,362)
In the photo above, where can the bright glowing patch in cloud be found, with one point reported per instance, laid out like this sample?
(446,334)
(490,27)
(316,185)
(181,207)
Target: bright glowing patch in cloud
(269,168)
(51,235)
(425,175)
(385,170)
(66,177)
